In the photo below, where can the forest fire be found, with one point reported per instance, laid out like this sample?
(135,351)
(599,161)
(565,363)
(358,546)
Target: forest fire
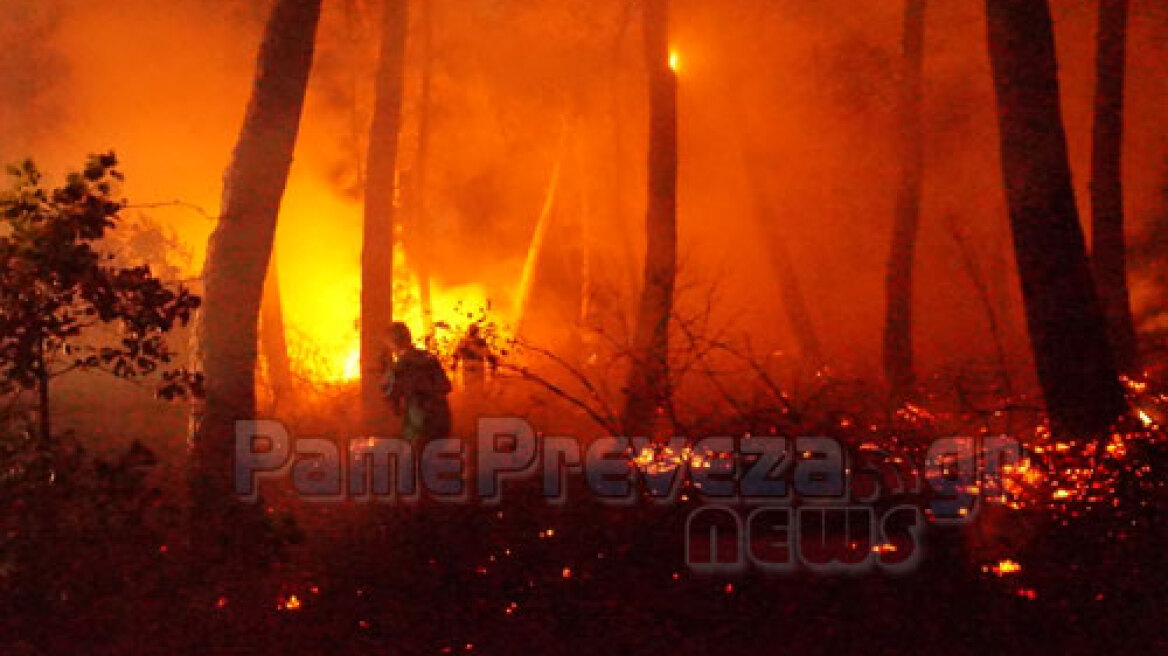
(330,356)
(319,289)
(578,327)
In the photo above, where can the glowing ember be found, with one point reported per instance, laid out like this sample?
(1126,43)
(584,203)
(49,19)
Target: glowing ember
(663,459)
(1145,418)
(1004,567)
(292,603)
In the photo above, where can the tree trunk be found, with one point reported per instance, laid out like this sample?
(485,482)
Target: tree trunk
(793,300)
(240,246)
(585,191)
(1074,359)
(273,343)
(421,225)
(1108,252)
(648,383)
(899,371)
(626,262)
(377,245)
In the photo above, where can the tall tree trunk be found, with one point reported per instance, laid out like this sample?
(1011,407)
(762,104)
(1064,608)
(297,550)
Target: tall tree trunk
(377,244)
(1075,364)
(273,343)
(1109,252)
(418,217)
(793,300)
(626,262)
(648,383)
(898,282)
(584,192)
(239,248)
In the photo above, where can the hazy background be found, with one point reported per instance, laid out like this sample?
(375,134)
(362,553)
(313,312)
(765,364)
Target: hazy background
(520,84)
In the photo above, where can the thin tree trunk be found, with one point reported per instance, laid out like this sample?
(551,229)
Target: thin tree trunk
(648,389)
(1074,359)
(793,300)
(421,225)
(1109,252)
(240,246)
(583,193)
(627,261)
(273,343)
(377,244)
(357,132)
(969,262)
(899,370)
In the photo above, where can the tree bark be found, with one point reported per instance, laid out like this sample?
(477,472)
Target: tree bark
(273,343)
(1075,364)
(1109,251)
(378,236)
(648,389)
(626,259)
(241,244)
(899,370)
(419,218)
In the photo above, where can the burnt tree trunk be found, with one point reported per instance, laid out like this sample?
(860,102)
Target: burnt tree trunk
(648,383)
(241,244)
(1067,333)
(626,279)
(419,215)
(1108,249)
(273,343)
(899,371)
(377,237)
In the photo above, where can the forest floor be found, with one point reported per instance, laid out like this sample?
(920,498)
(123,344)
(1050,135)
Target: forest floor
(1060,572)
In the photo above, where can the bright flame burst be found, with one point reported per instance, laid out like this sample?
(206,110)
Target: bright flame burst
(450,307)
(320,280)
(674,61)
(352,369)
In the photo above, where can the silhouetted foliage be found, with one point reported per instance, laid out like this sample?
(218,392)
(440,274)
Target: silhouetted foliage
(56,286)
(62,511)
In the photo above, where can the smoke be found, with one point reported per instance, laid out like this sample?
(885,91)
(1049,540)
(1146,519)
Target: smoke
(811,85)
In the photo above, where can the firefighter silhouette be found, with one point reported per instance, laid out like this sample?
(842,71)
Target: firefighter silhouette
(416,385)
(472,357)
